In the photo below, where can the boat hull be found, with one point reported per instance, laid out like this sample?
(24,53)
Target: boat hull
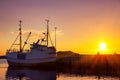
(45,64)
(42,62)
(31,60)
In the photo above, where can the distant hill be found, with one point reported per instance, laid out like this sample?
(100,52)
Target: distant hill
(62,54)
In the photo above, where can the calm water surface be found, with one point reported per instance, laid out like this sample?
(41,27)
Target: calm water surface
(7,73)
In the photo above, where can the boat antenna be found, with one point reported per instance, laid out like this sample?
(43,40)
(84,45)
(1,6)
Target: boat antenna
(47,30)
(20,32)
(55,36)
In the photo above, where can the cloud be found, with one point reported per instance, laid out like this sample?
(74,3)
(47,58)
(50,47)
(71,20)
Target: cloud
(24,32)
(37,34)
(58,33)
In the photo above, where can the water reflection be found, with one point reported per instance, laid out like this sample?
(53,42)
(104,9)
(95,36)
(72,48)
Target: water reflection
(30,74)
(80,73)
(63,72)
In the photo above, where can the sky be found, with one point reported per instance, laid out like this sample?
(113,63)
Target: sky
(81,24)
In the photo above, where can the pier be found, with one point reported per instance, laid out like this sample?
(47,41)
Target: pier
(99,64)
(2,57)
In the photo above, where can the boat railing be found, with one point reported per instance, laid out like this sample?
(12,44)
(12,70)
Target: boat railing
(16,51)
(12,50)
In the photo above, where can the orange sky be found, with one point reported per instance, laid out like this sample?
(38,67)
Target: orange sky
(82,24)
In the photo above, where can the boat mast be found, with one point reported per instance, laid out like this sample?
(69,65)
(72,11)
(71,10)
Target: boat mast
(20,32)
(47,31)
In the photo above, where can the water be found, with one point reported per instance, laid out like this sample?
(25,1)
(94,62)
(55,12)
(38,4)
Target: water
(7,73)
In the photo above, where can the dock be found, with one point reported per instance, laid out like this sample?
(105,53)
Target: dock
(2,57)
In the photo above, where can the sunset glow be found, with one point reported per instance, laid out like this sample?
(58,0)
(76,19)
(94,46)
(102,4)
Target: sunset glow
(81,25)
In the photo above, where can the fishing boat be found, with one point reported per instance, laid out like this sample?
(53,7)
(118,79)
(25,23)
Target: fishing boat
(39,53)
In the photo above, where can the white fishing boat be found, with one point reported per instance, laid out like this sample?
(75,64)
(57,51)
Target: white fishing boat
(39,53)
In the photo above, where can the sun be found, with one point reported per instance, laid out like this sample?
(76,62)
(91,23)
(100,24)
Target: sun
(102,46)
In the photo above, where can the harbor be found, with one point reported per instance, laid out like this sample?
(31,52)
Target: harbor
(60,40)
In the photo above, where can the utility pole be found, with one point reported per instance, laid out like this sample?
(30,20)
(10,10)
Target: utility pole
(20,32)
(47,31)
(55,36)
